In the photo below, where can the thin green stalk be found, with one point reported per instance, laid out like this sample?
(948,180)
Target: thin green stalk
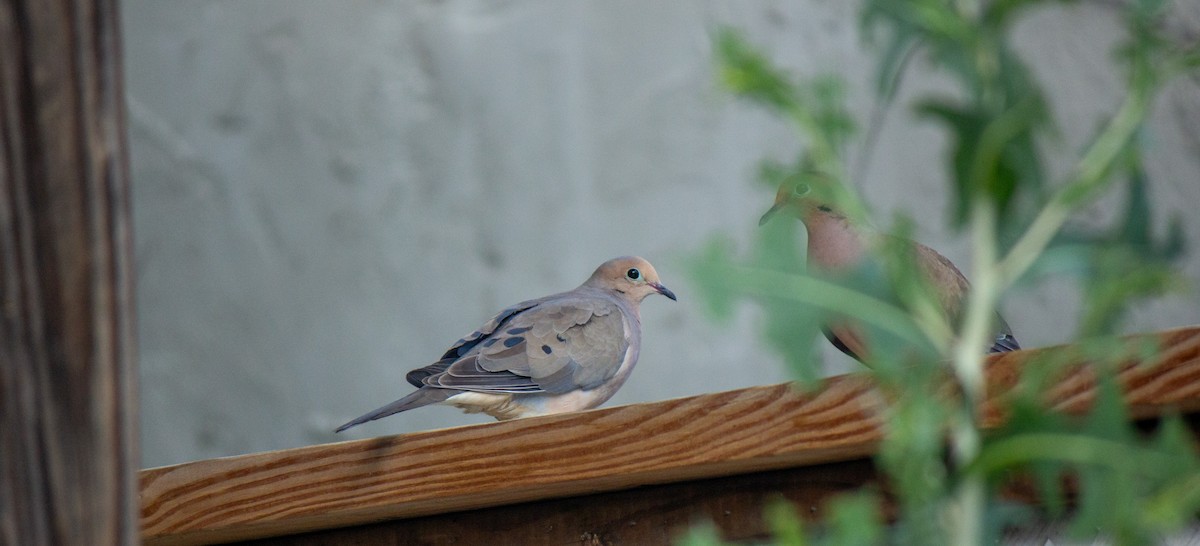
(967,506)
(1090,178)
(985,291)
(928,316)
(965,513)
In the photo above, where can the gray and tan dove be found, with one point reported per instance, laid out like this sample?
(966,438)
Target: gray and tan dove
(565,352)
(837,245)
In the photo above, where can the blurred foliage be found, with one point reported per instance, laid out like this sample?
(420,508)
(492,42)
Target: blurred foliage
(1130,489)
(994,120)
(1127,486)
(1119,265)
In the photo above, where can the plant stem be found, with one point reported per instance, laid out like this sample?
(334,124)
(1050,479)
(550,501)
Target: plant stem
(967,507)
(985,291)
(993,276)
(1089,179)
(965,514)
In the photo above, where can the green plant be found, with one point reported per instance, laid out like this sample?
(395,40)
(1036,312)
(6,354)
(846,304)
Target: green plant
(1014,216)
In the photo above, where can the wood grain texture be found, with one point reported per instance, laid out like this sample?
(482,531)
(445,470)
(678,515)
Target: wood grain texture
(498,463)
(67,404)
(653,514)
(713,435)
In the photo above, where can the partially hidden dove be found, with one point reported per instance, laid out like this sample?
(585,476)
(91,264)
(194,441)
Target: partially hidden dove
(565,352)
(838,245)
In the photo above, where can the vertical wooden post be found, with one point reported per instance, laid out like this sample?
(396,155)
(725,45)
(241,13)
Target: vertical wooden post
(67,379)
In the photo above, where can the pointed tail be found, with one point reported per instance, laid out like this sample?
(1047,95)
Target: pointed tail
(420,397)
(1004,343)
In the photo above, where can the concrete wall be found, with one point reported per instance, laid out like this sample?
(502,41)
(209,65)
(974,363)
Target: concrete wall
(327,194)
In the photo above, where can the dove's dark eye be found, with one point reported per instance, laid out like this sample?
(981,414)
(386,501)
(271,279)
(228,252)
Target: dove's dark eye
(633,274)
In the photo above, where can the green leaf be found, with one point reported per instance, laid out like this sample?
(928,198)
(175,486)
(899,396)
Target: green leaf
(1174,504)
(1029,416)
(749,74)
(994,121)
(1121,265)
(701,534)
(792,330)
(992,157)
(855,520)
(912,457)
(785,524)
(710,270)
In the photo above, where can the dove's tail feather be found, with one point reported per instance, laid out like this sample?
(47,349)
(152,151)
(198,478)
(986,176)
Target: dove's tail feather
(418,398)
(1005,343)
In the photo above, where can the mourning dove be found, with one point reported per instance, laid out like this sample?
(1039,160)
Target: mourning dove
(565,352)
(837,245)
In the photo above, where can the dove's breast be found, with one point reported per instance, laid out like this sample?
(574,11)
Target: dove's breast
(579,400)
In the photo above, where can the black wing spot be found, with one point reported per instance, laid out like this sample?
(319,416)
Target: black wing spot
(464,345)
(520,330)
(490,342)
(546,349)
(513,341)
(561,338)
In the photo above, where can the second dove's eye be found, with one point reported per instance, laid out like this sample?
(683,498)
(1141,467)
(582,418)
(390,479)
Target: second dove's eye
(633,274)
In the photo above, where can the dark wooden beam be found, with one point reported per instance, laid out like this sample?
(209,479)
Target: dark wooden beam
(653,514)
(67,400)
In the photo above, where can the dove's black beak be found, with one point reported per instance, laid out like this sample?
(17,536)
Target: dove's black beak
(664,291)
(774,209)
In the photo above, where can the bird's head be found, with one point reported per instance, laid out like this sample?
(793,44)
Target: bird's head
(632,277)
(801,199)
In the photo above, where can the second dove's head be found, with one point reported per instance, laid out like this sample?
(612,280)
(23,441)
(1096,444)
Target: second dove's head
(802,198)
(631,277)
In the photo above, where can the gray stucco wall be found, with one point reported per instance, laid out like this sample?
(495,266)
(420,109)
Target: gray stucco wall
(327,194)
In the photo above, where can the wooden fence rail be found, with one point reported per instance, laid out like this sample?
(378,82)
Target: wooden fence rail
(714,451)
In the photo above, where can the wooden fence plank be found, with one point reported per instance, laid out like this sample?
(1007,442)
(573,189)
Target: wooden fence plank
(712,435)
(499,463)
(67,404)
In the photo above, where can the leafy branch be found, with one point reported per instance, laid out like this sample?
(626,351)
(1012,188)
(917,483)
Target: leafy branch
(1018,223)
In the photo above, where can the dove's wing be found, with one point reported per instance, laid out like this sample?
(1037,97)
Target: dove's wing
(572,341)
(468,342)
(952,288)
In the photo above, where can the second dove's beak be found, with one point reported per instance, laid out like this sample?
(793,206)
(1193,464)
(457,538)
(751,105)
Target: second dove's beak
(664,291)
(774,209)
